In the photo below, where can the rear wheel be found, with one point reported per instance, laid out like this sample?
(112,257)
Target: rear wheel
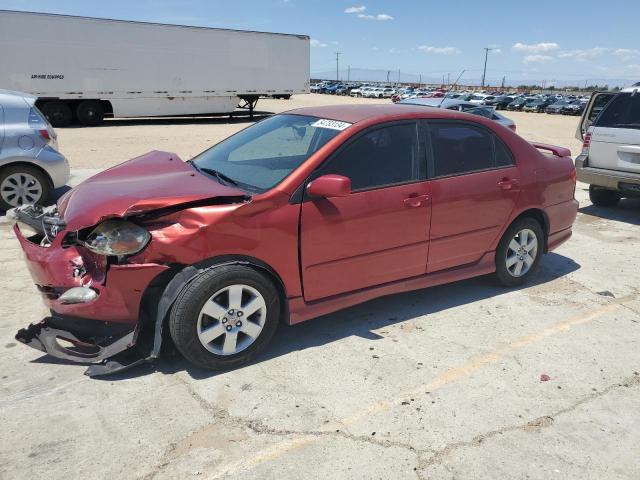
(225,317)
(519,252)
(90,113)
(21,185)
(602,197)
(58,113)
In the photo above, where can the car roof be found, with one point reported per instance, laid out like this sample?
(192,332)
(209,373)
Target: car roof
(10,98)
(358,113)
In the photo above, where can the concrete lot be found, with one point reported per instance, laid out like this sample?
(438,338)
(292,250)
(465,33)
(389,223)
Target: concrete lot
(440,383)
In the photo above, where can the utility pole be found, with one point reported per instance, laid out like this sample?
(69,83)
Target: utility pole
(448,79)
(503,80)
(420,81)
(388,73)
(338,66)
(348,73)
(486,54)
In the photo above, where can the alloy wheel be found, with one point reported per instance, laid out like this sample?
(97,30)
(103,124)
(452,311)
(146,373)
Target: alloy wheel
(20,189)
(521,252)
(231,319)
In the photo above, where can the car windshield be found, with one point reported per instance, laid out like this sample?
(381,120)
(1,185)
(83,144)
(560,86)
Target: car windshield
(261,156)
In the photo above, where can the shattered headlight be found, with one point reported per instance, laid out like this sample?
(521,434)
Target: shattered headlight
(117,237)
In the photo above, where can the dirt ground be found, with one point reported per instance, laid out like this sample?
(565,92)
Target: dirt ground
(103,147)
(462,381)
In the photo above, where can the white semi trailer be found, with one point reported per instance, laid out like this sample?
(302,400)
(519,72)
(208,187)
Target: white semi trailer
(85,69)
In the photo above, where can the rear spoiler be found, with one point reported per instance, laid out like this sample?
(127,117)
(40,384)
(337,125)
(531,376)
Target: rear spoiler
(555,150)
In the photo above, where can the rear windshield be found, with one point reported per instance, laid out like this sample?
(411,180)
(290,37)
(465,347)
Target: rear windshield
(622,112)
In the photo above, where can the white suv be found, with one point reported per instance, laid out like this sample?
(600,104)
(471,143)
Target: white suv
(610,158)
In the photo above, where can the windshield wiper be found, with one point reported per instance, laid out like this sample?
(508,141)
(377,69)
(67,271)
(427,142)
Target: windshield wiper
(222,178)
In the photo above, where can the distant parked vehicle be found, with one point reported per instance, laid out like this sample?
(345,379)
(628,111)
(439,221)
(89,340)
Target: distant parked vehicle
(519,103)
(30,164)
(557,107)
(467,107)
(538,105)
(574,108)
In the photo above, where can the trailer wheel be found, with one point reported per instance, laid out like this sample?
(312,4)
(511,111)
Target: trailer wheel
(90,113)
(58,113)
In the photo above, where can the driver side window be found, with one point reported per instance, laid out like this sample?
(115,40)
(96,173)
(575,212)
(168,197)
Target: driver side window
(383,156)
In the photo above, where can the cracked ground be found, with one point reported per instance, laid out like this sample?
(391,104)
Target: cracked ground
(443,383)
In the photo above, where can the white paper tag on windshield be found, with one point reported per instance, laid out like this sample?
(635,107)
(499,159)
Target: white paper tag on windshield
(332,124)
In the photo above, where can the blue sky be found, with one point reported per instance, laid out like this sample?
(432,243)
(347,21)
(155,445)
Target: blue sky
(556,41)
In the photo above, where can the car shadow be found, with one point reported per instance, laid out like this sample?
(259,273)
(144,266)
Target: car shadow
(361,320)
(627,210)
(238,117)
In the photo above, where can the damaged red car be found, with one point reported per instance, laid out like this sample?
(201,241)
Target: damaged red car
(299,215)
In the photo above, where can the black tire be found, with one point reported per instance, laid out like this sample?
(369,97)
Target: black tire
(90,113)
(502,274)
(602,197)
(58,113)
(184,315)
(45,185)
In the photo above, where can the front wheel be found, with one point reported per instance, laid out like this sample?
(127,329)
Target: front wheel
(225,317)
(519,252)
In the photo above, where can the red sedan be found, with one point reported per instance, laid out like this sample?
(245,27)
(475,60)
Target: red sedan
(299,215)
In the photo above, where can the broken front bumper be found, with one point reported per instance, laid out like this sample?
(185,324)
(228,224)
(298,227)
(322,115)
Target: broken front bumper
(92,329)
(58,337)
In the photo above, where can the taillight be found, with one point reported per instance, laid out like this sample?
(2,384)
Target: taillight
(44,133)
(586,143)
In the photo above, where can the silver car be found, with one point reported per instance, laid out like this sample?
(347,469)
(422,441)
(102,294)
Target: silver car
(462,106)
(30,165)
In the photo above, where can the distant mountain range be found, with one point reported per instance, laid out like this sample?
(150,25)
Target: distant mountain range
(391,76)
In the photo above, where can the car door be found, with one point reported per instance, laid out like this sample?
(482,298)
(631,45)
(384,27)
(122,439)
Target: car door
(380,232)
(596,103)
(615,135)
(474,189)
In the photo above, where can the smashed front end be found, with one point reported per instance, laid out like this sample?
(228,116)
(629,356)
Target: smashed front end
(89,323)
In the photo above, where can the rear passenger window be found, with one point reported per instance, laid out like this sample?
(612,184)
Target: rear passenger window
(463,148)
(384,156)
(622,112)
(503,155)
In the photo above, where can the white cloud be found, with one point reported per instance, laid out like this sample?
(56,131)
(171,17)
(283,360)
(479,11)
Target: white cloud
(440,50)
(538,59)
(317,43)
(584,54)
(355,9)
(536,47)
(624,52)
(381,17)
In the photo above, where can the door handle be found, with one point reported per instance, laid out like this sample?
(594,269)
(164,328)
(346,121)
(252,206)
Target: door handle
(508,184)
(416,200)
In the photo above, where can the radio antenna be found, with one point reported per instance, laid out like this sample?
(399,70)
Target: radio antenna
(451,87)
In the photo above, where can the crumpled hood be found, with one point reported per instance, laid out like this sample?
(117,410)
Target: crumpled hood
(152,181)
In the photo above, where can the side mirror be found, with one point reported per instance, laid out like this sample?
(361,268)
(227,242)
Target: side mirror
(328,186)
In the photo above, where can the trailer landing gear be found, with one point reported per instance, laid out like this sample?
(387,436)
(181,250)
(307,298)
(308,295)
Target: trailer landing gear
(248,103)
